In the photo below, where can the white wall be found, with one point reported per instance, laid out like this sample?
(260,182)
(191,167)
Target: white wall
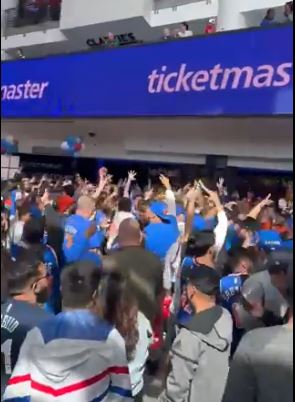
(249,142)
(77,13)
(33,39)
(6,4)
(250,5)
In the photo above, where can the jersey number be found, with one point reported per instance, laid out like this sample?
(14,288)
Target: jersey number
(6,350)
(69,240)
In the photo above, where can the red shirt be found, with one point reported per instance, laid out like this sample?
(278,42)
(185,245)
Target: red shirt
(210,28)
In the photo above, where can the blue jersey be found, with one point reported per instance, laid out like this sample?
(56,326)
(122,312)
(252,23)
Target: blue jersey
(53,305)
(230,292)
(159,237)
(185,311)
(76,243)
(17,318)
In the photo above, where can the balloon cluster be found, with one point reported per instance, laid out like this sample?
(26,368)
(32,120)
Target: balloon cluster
(9,145)
(73,145)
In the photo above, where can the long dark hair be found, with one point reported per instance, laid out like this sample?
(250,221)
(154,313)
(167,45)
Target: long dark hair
(120,309)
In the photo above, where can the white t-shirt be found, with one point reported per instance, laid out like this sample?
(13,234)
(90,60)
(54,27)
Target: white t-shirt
(185,34)
(119,217)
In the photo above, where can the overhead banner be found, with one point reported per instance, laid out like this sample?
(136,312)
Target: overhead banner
(230,74)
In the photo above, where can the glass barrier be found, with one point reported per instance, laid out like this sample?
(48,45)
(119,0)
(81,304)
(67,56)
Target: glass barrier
(162,4)
(31,17)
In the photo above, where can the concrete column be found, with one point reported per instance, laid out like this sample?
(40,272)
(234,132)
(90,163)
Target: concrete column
(229,16)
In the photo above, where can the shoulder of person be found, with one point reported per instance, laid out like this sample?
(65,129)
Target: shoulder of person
(186,346)
(257,340)
(31,313)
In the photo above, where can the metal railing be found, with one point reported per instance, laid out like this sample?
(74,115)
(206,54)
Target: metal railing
(15,24)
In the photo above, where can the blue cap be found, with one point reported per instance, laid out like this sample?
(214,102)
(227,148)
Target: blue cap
(159,208)
(269,240)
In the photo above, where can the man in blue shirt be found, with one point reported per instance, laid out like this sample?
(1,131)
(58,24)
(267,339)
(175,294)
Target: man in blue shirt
(160,230)
(81,233)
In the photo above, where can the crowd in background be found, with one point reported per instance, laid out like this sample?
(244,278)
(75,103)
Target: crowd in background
(271,17)
(102,281)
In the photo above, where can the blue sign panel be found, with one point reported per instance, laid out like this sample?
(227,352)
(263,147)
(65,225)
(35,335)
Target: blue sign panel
(238,73)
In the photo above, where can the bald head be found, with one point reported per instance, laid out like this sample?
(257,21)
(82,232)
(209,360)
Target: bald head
(129,232)
(85,206)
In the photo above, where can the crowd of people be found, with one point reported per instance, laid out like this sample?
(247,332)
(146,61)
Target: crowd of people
(102,282)
(184,31)
(271,18)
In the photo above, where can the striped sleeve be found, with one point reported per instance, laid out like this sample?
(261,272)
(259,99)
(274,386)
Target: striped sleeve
(120,379)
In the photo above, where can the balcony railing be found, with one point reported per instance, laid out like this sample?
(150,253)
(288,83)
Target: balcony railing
(22,22)
(162,4)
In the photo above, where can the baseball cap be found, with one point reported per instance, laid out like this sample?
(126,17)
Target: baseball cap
(282,260)
(269,240)
(159,208)
(64,202)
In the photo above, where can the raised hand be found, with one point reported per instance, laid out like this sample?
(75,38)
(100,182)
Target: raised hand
(192,194)
(165,181)
(266,202)
(102,173)
(212,195)
(220,183)
(132,175)
(148,194)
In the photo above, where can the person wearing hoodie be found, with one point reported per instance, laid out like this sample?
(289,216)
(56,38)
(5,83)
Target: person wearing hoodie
(200,353)
(76,355)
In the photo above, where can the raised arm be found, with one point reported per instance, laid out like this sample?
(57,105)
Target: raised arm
(170,197)
(131,178)
(191,197)
(258,208)
(222,225)
(103,180)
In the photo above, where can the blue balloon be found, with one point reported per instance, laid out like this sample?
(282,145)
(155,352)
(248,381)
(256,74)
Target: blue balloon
(9,147)
(71,141)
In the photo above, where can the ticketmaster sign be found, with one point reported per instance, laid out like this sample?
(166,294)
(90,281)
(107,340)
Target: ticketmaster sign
(229,74)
